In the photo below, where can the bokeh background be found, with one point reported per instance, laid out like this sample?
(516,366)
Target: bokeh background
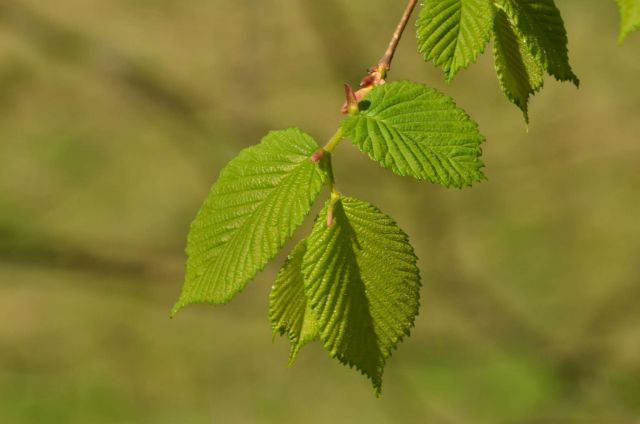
(115,119)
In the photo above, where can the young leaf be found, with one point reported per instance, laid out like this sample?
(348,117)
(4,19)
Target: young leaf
(261,197)
(415,130)
(540,25)
(629,17)
(363,285)
(289,310)
(519,73)
(452,33)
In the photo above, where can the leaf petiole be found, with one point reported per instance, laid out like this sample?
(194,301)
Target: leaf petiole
(333,142)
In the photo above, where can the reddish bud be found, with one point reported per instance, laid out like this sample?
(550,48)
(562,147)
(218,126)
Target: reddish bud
(374,77)
(350,95)
(368,81)
(317,155)
(350,106)
(330,217)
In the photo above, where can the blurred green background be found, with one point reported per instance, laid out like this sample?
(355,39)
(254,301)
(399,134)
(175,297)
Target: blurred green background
(116,117)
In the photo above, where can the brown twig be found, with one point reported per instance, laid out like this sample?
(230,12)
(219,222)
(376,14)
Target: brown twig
(378,73)
(385,61)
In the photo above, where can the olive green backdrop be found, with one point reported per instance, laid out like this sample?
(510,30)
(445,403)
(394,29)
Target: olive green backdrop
(116,117)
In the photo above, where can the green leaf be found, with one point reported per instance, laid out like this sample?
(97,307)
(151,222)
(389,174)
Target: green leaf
(452,33)
(289,310)
(519,73)
(363,284)
(261,197)
(415,130)
(540,25)
(629,17)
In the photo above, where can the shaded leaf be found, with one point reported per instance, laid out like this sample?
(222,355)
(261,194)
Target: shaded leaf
(540,25)
(519,73)
(289,310)
(363,285)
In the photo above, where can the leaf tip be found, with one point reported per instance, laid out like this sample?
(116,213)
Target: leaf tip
(622,35)
(576,81)
(573,79)
(274,334)
(377,386)
(525,114)
(450,75)
(179,305)
(293,355)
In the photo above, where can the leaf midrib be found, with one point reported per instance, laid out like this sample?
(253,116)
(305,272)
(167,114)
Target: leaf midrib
(242,227)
